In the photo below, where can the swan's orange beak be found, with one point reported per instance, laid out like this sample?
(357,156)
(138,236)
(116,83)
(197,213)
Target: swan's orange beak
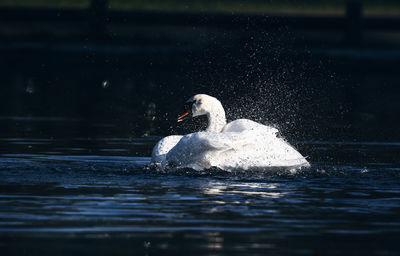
(186,114)
(182,117)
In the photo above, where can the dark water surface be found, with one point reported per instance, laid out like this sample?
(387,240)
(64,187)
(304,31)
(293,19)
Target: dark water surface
(84,196)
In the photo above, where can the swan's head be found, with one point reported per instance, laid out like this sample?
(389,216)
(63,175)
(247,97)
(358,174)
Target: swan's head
(202,104)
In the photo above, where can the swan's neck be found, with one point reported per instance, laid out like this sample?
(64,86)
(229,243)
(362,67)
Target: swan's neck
(216,120)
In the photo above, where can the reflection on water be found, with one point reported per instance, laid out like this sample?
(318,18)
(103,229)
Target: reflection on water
(96,196)
(260,189)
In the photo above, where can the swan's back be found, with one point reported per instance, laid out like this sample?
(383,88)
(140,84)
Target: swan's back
(242,125)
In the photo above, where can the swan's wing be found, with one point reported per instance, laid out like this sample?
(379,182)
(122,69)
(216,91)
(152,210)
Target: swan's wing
(161,149)
(199,150)
(231,150)
(258,150)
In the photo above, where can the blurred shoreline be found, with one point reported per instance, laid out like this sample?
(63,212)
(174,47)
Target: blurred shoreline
(315,77)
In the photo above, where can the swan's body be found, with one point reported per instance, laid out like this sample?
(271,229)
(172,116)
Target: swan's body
(241,144)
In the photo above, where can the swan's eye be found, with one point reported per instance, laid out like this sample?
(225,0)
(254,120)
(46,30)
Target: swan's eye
(189,105)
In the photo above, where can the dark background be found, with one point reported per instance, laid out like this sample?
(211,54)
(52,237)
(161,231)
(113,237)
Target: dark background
(318,70)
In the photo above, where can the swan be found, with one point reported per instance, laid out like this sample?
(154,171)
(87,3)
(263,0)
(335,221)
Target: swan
(240,144)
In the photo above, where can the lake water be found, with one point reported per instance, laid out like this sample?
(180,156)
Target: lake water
(83,196)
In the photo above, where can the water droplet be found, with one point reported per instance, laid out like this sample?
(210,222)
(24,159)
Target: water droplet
(105,84)
(30,89)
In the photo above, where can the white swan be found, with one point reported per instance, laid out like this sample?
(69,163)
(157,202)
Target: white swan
(241,144)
